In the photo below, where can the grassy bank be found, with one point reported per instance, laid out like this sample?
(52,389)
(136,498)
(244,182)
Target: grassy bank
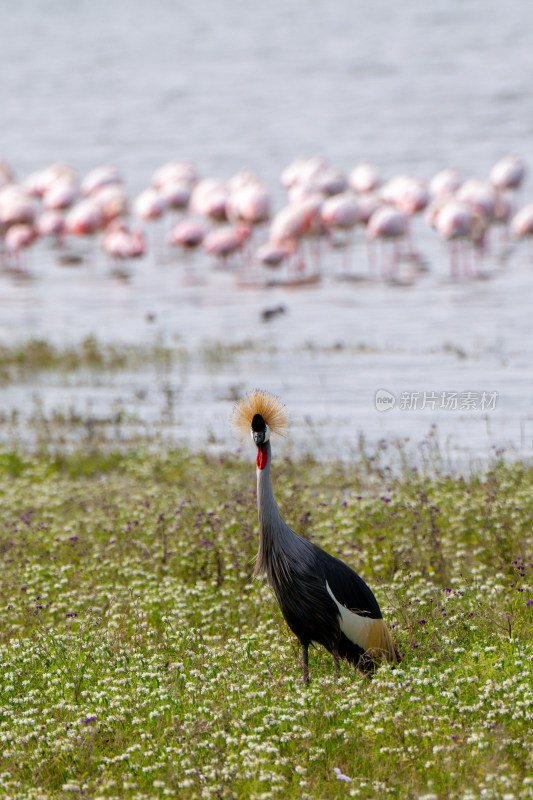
(138,660)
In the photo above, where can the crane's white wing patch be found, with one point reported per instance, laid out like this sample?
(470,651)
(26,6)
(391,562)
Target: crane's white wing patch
(355,627)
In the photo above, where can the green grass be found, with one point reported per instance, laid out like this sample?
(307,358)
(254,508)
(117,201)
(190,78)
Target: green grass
(23,361)
(138,660)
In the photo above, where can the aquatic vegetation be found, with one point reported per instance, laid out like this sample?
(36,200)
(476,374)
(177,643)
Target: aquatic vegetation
(139,660)
(36,356)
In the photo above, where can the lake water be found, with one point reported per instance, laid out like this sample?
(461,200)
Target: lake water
(413,87)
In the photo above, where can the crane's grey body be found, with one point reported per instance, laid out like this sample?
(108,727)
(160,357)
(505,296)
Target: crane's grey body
(321,598)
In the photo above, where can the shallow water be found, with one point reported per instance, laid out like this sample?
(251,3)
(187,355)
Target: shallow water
(254,85)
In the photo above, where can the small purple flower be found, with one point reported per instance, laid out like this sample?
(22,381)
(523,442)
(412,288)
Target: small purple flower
(529,603)
(341,776)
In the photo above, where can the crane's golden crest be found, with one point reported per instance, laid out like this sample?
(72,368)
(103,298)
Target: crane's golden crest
(259,402)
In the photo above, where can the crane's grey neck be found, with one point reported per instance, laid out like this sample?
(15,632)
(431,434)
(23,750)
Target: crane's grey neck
(271,526)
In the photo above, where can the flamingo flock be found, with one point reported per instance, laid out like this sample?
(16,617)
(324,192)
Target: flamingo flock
(234,220)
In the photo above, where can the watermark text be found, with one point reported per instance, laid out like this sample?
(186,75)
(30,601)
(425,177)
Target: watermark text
(434,401)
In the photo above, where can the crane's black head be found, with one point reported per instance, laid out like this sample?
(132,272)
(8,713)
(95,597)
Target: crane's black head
(260,432)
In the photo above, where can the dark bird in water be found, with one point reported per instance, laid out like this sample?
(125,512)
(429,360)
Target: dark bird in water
(322,599)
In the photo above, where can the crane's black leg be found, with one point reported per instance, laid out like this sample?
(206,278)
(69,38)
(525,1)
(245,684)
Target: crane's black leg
(305,663)
(337,664)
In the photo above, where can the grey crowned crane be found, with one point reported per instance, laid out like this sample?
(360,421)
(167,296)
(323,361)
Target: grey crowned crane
(322,599)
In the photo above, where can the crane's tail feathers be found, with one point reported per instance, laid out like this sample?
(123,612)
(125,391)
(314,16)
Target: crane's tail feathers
(267,405)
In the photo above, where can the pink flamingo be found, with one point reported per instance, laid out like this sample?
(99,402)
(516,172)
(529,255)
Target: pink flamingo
(508,173)
(249,203)
(187,234)
(388,224)
(364,178)
(61,194)
(175,172)
(51,223)
(303,171)
(444,183)
(482,198)
(15,207)
(121,243)
(330,182)
(83,219)
(18,238)
(367,204)
(150,204)
(295,222)
(457,221)
(41,181)
(111,201)
(273,254)
(224,242)
(522,224)
(99,177)
(341,213)
(177,195)
(209,199)
(411,196)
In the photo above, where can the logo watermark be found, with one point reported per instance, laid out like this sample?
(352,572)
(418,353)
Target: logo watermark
(434,401)
(384,400)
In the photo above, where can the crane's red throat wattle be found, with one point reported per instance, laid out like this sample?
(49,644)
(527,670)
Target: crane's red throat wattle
(262,457)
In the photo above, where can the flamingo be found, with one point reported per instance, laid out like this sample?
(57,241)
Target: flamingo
(296,221)
(61,194)
(444,183)
(150,204)
(302,170)
(457,221)
(249,203)
(388,224)
(409,195)
(41,181)
(522,223)
(223,242)
(99,177)
(364,178)
(18,238)
(508,173)
(175,172)
(121,243)
(273,254)
(51,223)
(83,219)
(209,199)
(111,201)
(341,212)
(177,194)
(482,198)
(187,234)
(330,181)
(15,207)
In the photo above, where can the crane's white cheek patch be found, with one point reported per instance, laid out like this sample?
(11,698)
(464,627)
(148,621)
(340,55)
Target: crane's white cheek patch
(356,628)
